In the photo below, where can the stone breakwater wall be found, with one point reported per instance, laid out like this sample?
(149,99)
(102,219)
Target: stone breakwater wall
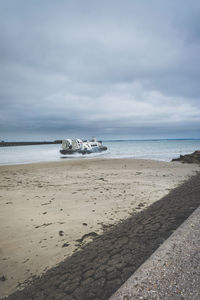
(9,144)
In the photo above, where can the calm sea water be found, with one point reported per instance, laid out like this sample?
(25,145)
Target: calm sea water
(163,150)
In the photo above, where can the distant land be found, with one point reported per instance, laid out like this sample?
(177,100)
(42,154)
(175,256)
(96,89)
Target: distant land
(9,144)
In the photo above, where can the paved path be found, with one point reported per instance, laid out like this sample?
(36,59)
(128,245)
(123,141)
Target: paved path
(173,271)
(102,266)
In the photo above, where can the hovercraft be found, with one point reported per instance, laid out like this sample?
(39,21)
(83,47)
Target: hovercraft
(82,147)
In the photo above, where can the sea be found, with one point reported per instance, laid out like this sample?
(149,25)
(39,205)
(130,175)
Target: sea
(162,150)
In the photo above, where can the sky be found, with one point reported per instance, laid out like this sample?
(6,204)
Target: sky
(111,69)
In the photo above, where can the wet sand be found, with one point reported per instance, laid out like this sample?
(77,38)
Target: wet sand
(50,210)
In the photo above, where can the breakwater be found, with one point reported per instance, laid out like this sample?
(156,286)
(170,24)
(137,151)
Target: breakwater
(9,144)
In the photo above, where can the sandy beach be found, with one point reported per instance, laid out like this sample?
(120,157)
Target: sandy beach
(50,210)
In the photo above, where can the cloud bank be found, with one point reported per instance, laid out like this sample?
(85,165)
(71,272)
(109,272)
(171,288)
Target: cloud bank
(112,69)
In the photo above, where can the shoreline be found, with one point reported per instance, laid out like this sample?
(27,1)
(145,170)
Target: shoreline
(66,160)
(49,210)
(74,160)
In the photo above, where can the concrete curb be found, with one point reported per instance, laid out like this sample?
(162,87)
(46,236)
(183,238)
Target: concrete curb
(172,271)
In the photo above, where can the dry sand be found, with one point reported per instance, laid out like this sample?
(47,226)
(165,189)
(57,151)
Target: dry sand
(49,209)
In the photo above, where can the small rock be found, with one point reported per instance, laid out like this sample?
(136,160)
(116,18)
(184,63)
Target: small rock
(65,245)
(3,278)
(61,233)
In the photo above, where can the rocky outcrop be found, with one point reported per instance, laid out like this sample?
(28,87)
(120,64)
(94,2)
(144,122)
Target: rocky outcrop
(193,158)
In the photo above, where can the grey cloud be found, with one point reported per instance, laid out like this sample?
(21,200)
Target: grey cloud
(106,68)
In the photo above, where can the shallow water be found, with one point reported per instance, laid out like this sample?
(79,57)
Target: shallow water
(163,150)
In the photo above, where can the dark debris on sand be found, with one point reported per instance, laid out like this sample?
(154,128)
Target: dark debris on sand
(102,266)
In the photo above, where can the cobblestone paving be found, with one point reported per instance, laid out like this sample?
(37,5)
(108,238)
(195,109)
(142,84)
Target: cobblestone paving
(101,267)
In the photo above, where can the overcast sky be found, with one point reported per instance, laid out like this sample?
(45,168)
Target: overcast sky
(111,69)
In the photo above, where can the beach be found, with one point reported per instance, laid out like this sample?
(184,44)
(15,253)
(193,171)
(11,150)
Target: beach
(50,211)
